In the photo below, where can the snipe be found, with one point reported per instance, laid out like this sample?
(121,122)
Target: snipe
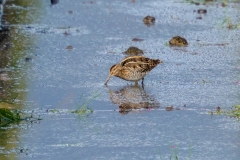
(133,68)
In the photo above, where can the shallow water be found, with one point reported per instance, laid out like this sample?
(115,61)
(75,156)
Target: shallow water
(59,55)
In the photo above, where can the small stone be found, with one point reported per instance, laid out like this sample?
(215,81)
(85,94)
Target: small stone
(133,51)
(149,20)
(69,47)
(169,108)
(178,41)
(202,11)
(137,39)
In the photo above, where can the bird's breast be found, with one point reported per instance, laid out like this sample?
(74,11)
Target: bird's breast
(131,75)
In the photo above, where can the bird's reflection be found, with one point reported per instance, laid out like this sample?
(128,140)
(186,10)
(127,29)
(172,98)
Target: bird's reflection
(132,97)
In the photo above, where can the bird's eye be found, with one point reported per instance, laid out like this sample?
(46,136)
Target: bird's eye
(112,67)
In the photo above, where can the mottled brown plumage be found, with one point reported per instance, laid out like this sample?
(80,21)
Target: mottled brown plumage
(133,68)
(178,41)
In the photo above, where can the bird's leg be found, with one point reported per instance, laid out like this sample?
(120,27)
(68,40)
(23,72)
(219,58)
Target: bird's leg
(142,83)
(142,80)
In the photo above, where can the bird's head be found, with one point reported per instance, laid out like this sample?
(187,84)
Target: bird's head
(114,70)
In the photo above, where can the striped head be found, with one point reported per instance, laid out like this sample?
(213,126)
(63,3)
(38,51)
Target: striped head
(114,70)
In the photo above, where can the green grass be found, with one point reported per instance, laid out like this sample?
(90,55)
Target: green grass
(227,22)
(174,155)
(167,44)
(10,99)
(8,117)
(233,112)
(84,109)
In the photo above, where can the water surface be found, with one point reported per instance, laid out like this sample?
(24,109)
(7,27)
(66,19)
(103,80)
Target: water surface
(59,55)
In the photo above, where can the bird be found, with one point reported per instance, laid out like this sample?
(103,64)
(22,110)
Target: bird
(178,41)
(133,68)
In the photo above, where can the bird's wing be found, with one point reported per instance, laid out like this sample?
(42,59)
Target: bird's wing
(132,59)
(137,66)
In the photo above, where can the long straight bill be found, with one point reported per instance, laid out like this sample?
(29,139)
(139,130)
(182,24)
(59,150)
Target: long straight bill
(107,80)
